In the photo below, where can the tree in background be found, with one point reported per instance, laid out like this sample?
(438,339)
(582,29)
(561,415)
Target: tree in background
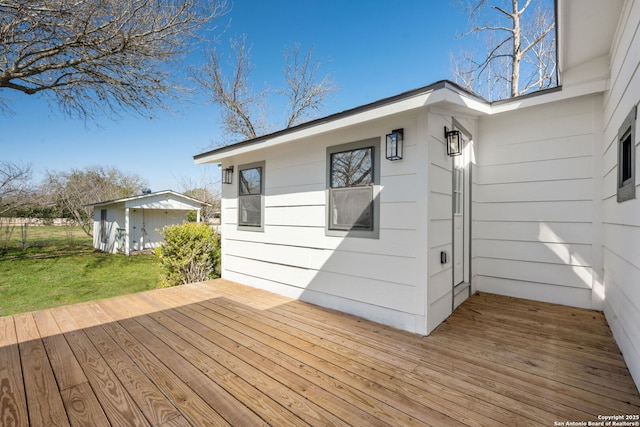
(244,111)
(204,195)
(203,191)
(98,56)
(15,186)
(73,191)
(520,48)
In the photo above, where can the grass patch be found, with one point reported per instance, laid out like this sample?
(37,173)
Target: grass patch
(59,267)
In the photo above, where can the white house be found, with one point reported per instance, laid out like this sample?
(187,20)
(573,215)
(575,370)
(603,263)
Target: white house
(541,204)
(134,223)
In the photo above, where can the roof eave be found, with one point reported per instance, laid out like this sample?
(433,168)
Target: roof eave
(398,103)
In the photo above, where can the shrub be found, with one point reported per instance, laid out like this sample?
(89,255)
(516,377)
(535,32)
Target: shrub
(190,253)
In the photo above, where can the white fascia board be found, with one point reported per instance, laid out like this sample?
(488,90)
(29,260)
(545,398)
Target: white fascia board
(566,92)
(401,106)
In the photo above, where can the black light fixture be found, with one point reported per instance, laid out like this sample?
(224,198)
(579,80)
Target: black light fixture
(454,142)
(227,175)
(395,142)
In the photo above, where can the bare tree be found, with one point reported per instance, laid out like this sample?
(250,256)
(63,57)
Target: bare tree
(305,91)
(233,93)
(15,186)
(203,191)
(519,56)
(74,191)
(98,55)
(243,109)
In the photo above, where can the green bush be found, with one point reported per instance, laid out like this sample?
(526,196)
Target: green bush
(190,253)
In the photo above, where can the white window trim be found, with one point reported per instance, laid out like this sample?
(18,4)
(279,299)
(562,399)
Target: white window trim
(375,232)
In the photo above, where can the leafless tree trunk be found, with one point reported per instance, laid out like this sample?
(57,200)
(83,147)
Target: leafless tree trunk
(98,55)
(520,48)
(243,109)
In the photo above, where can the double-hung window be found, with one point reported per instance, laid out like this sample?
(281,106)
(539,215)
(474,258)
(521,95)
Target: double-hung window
(352,206)
(251,196)
(627,158)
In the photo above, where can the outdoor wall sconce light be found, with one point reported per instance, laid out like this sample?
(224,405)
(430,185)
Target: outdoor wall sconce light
(227,175)
(454,142)
(394,144)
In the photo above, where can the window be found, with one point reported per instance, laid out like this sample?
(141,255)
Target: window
(251,196)
(457,190)
(353,174)
(103,225)
(627,158)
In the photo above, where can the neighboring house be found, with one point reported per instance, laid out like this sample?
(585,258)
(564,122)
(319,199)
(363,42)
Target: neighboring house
(541,204)
(135,223)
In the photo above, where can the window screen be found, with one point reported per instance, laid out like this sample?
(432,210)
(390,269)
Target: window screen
(351,189)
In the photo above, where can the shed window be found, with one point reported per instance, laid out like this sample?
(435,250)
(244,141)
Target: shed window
(103,225)
(352,177)
(627,158)
(251,196)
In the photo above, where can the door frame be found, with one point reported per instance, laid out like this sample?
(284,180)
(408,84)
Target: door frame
(457,289)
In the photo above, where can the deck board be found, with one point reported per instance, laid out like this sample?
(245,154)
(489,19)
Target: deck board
(219,353)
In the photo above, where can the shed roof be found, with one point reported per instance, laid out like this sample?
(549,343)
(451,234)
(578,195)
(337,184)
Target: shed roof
(143,197)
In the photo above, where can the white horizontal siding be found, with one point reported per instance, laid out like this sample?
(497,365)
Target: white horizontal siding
(553,274)
(293,254)
(543,211)
(533,229)
(622,220)
(352,287)
(543,170)
(565,295)
(540,252)
(540,191)
(374,266)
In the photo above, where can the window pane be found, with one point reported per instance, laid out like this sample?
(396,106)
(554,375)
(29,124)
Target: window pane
(250,210)
(351,208)
(352,168)
(250,181)
(626,159)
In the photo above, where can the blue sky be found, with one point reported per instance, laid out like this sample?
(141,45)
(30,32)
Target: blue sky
(374,49)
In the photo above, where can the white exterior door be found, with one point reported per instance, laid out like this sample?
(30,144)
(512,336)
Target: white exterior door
(458,224)
(137,224)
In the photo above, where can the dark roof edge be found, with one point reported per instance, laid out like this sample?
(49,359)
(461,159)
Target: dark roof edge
(528,95)
(441,84)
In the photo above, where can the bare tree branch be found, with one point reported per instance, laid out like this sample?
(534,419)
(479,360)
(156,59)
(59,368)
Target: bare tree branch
(305,93)
(243,110)
(234,94)
(527,43)
(98,55)
(15,185)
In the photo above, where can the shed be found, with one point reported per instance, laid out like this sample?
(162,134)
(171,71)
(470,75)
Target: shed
(541,204)
(134,223)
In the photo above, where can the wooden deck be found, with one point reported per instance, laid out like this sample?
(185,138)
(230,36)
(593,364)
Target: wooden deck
(219,353)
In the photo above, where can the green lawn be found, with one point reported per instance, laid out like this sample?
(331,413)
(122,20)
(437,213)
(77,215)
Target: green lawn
(59,266)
